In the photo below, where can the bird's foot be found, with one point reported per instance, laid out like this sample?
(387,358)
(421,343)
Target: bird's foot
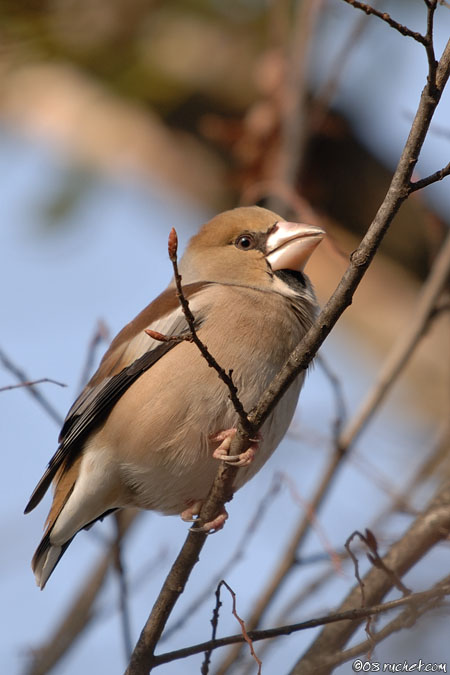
(190,515)
(221,452)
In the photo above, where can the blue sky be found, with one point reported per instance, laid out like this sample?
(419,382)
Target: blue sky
(106,260)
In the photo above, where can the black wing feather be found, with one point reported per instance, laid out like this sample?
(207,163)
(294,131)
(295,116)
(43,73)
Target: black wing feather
(81,425)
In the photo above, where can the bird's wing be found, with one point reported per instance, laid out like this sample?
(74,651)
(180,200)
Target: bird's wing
(131,353)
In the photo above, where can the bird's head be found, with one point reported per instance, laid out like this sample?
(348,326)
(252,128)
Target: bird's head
(248,245)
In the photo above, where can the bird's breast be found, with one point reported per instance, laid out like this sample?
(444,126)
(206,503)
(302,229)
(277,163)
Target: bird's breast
(159,430)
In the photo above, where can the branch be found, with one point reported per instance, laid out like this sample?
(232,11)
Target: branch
(142,659)
(405,619)
(404,346)
(338,395)
(429,180)
(384,16)
(261,507)
(81,611)
(429,528)
(211,361)
(119,518)
(294,120)
(31,383)
(40,398)
(101,334)
(353,615)
(393,365)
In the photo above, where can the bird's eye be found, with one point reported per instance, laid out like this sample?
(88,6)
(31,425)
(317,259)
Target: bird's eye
(245,242)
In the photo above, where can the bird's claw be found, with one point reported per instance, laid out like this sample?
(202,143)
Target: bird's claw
(190,515)
(221,452)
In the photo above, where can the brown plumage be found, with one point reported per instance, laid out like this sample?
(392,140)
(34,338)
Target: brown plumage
(140,434)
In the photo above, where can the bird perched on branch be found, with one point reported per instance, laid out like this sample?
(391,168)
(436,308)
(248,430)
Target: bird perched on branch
(149,427)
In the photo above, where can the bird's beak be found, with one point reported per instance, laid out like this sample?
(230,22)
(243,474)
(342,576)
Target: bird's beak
(290,245)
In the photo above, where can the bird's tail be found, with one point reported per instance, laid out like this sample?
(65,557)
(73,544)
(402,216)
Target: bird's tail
(45,559)
(48,554)
(77,503)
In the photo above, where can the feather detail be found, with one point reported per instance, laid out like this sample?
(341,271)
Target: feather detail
(101,393)
(140,433)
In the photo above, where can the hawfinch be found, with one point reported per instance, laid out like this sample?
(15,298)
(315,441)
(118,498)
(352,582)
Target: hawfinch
(150,425)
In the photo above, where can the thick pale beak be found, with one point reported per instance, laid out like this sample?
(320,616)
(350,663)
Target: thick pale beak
(290,245)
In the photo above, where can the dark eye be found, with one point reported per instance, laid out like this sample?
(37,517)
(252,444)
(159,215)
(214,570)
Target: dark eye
(245,242)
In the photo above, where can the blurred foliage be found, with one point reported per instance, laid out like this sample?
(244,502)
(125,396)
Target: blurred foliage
(160,53)
(216,71)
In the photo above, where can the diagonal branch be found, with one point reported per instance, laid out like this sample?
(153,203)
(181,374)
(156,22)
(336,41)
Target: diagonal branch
(429,528)
(396,360)
(384,16)
(405,619)
(225,377)
(429,180)
(39,397)
(415,601)
(143,658)
(31,383)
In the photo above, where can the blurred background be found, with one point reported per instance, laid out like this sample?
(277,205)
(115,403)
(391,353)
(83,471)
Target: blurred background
(122,118)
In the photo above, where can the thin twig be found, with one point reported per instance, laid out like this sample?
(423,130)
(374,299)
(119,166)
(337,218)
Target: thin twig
(405,619)
(339,399)
(101,334)
(429,180)
(142,660)
(38,396)
(429,46)
(204,670)
(31,383)
(80,613)
(265,502)
(326,92)
(225,377)
(351,615)
(384,16)
(123,587)
(428,466)
(404,347)
(294,126)
(245,634)
(396,360)
(314,522)
(425,532)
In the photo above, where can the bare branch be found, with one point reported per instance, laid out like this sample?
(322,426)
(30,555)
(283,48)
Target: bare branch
(393,365)
(143,657)
(80,613)
(429,180)
(265,502)
(370,541)
(225,377)
(327,91)
(349,616)
(339,399)
(404,346)
(428,528)
(405,619)
(31,383)
(123,586)
(384,16)
(294,118)
(245,635)
(38,396)
(204,670)
(429,46)
(101,334)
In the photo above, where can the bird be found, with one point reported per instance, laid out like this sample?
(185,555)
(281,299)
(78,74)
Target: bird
(149,428)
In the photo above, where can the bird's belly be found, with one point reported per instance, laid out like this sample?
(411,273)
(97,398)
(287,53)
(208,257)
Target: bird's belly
(171,479)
